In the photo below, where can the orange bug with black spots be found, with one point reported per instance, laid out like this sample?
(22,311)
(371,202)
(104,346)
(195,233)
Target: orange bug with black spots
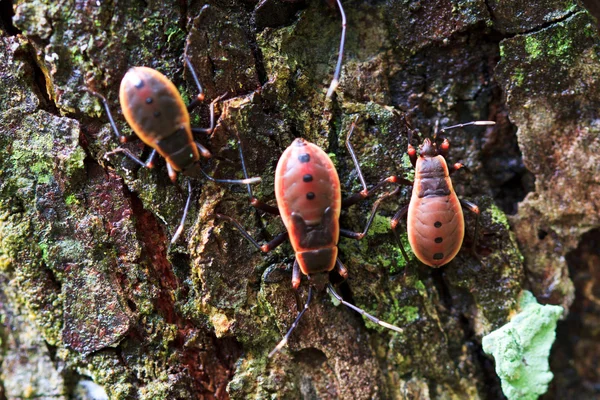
(154,109)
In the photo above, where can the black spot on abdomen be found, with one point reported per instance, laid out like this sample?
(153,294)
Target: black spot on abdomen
(304,158)
(438,256)
(437,224)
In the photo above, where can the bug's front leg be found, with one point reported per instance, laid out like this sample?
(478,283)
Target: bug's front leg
(363,194)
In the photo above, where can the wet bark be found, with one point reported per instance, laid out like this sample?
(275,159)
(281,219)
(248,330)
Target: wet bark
(92,298)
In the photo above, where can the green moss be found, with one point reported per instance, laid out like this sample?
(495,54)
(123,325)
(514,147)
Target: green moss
(380,225)
(533,47)
(518,77)
(409,171)
(498,216)
(409,313)
(560,45)
(71,200)
(420,286)
(521,349)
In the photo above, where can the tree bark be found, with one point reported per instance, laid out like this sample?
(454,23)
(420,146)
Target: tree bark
(92,298)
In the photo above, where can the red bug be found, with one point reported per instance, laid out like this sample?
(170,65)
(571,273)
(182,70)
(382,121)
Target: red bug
(154,109)
(307,189)
(309,201)
(435,222)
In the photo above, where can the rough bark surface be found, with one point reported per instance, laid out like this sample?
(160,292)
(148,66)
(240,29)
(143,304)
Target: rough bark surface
(92,299)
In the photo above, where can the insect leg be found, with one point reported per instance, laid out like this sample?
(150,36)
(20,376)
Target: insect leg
(412,155)
(172,173)
(338,66)
(394,223)
(362,312)
(284,341)
(296,275)
(475,210)
(183,217)
(203,150)
(265,248)
(148,164)
(359,235)
(212,117)
(200,96)
(254,202)
(121,138)
(363,194)
(341,268)
(455,167)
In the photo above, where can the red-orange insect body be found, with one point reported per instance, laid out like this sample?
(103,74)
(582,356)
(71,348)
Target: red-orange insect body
(156,112)
(307,188)
(435,224)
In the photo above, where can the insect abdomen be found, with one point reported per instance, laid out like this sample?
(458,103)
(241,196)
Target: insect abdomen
(435,223)
(178,150)
(152,105)
(308,195)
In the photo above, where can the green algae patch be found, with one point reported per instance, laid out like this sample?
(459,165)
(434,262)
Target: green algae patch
(498,217)
(521,349)
(533,47)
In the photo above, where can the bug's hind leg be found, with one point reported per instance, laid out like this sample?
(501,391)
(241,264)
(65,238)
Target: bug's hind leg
(284,341)
(183,217)
(362,312)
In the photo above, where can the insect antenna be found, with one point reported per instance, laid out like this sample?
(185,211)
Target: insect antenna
(476,123)
(338,66)
(447,128)
(284,341)
(362,312)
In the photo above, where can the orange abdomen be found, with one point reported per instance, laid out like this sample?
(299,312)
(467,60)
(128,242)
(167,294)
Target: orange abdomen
(436,226)
(308,195)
